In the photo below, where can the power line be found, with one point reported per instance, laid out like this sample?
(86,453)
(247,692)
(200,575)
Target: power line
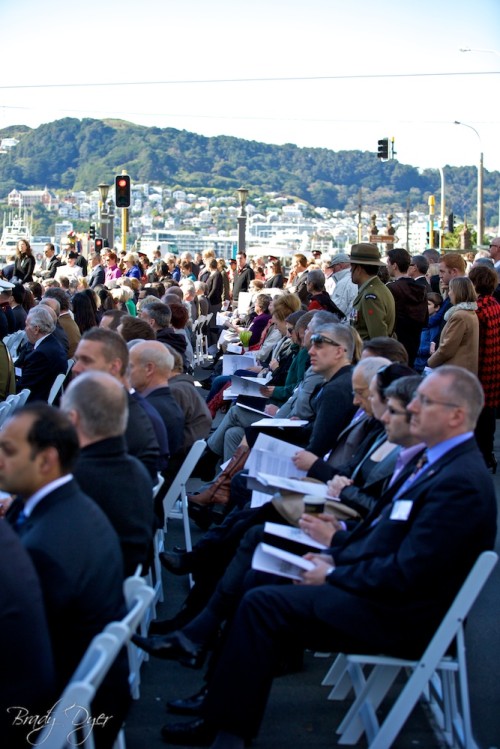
(370,76)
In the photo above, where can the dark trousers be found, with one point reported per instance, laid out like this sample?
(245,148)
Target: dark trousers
(271,620)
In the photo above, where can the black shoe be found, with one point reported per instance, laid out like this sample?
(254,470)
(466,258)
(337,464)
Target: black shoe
(189,706)
(179,563)
(173,647)
(167,626)
(193,733)
(202,515)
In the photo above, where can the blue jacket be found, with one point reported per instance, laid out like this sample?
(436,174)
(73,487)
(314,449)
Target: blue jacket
(428,335)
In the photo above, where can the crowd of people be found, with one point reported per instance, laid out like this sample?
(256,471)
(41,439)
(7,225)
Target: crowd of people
(392,366)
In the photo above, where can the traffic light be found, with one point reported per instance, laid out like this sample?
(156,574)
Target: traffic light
(383,148)
(451,223)
(92,231)
(98,244)
(122,191)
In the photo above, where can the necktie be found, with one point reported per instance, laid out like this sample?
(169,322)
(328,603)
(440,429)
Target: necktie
(20,521)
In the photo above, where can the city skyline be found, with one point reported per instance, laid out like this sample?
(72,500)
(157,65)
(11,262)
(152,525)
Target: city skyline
(315,74)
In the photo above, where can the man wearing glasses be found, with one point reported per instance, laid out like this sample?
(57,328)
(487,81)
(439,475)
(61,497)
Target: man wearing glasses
(495,252)
(385,586)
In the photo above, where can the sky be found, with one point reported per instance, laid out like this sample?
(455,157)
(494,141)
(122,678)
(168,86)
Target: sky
(321,73)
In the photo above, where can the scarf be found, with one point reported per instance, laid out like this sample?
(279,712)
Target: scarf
(471,306)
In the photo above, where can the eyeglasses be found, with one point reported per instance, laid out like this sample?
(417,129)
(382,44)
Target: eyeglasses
(425,401)
(318,341)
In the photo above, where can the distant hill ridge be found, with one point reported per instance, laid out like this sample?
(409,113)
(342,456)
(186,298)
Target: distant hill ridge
(75,154)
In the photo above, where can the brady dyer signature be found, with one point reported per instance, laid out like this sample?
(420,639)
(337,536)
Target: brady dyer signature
(78,722)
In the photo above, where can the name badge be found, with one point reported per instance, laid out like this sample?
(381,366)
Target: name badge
(401,509)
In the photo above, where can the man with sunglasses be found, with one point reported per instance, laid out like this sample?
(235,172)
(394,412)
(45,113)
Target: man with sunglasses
(495,252)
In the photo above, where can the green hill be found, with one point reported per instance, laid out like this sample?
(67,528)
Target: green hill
(77,154)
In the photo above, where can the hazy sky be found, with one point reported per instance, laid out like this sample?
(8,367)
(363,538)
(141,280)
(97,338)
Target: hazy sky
(196,49)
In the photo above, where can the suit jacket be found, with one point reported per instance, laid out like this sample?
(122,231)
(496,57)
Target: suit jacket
(97,276)
(348,442)
(77,556)
(27,673)
(407,571)
(41,367)
(163,401)
(140,437)
(123,489)
(72,332)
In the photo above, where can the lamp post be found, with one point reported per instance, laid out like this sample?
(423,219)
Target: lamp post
(480,215)
(242,220)
(103,216)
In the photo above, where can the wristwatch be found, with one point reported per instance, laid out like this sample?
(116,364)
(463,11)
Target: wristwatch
(329,571)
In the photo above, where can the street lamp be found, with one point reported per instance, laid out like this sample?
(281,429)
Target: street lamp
(103,216)
(242,219)
(480,216)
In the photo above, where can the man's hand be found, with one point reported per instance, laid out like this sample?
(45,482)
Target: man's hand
(336,485)
(271,409)
(304,460)
(317,576)
(320,528)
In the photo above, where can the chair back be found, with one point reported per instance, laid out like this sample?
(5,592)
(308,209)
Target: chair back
(178,485)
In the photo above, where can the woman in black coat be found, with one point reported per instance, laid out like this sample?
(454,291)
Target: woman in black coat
(275,278)
(25,262)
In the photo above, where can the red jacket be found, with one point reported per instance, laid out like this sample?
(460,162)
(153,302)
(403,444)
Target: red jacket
(488,312)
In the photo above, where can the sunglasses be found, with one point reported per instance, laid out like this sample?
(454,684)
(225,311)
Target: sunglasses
(319,340)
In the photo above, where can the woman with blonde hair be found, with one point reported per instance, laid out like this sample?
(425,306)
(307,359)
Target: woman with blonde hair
(459,342)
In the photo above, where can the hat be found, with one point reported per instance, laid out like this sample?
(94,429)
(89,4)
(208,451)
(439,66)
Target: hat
(317,252)
(73,255)
(365,254)
(5,285)
(342,257)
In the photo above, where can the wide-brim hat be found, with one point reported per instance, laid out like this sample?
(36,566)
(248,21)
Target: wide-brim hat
(365,253)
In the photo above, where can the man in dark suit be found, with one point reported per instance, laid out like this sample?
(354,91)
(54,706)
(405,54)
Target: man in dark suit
(104,350)
(151,365)
(297,281)
(51,262)
(96,403)
(27,673)
(97,274)
(385,586)
(72,544)
(48,358)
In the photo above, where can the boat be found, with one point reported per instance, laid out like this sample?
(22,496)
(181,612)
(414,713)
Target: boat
(16,229)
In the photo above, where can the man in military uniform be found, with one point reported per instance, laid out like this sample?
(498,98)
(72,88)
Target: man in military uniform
(374,312)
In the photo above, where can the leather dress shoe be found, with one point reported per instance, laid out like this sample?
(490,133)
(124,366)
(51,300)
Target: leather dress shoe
(173,647)
(188,706)
(176,562)
(193,733)
(166,626)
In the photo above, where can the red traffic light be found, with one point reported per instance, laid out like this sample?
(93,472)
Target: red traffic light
(122,191)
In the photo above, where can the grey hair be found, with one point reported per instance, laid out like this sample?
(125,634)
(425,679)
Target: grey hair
(341,334)
(467,391)
(316,278)
(43,318)
(369,367)
(101,403)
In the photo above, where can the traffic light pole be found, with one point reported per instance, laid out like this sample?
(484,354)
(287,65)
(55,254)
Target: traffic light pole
(124,228)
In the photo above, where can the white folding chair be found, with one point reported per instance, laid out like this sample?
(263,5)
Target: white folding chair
(175,503)
(19,399)
(95,664)
(6,408)
(14,341)
(435,675)
(138,597)
(58,383)
(154,576)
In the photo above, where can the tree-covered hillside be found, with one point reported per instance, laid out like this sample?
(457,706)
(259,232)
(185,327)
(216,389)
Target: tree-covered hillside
(77,154)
